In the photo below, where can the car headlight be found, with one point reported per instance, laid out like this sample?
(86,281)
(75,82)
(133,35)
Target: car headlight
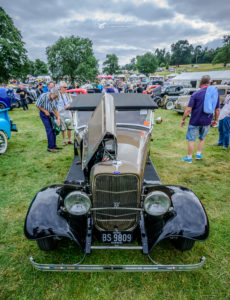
(77,203)
(157,203)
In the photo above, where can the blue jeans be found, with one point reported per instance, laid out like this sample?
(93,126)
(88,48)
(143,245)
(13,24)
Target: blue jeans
(51,137)
(224,132)
(24,104)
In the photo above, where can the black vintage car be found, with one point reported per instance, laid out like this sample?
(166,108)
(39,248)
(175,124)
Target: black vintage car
(112,197)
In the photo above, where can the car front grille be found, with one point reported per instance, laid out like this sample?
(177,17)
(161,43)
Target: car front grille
(116,193)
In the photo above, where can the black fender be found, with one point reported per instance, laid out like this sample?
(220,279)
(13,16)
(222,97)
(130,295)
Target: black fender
(187,219)
(43,218)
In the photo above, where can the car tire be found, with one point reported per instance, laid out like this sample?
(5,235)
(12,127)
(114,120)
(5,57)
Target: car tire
(3,142)
(2,106)
(169,105)
(47,244)
(183,244)
(17,104)
(157,100)
(75,148)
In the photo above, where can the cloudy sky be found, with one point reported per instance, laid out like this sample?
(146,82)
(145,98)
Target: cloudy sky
(126,28)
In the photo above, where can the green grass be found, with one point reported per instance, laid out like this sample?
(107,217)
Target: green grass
(26,167)
(202,68)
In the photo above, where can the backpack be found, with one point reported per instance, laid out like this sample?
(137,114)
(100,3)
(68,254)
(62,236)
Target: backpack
(210,100)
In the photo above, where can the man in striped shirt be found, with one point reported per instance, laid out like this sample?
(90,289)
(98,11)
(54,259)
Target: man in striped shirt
(47,104)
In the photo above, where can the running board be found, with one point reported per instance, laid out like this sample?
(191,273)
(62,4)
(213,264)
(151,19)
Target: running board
(116,268)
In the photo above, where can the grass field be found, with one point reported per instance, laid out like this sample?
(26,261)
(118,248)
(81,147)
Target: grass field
(26,167)
(201,68)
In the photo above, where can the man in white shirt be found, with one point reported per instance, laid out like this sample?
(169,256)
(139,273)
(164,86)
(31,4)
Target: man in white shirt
(224,124)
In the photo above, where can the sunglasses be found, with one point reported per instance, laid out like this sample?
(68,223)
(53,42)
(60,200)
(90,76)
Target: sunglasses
(64,87)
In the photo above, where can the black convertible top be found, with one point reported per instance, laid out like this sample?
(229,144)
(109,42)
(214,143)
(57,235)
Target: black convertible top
(121,101)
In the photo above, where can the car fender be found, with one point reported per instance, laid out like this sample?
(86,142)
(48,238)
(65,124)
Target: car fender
(5,124)
(187,219)
(43,220)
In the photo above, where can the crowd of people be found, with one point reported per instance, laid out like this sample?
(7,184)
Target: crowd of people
(53,102)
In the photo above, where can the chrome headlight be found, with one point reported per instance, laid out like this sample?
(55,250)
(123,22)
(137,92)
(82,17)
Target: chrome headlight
(157,203)
(77,203)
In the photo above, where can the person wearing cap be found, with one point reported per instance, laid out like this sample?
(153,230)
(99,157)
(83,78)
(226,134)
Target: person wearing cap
(48,105)
(65,115)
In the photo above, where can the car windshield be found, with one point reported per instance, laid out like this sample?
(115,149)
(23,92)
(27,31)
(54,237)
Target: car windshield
(140,117)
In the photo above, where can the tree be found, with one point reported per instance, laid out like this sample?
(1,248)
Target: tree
(111,64)
(223,54)
(131,66)
(73,58)
(147,63)
(40,68)
(181,53)
(13,56)
(197,52)
(162,56)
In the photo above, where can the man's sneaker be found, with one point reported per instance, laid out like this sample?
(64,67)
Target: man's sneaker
(189,160)
(199,156)
(224,148)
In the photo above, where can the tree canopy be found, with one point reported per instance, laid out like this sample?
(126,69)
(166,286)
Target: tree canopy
(147,63)
(181,52)
(111,65)
(73,58)
(13,56)
(223,54)
(38,67)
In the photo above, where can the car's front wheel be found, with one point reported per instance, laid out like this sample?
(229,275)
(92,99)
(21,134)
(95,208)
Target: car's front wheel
(47,244)
(169,104)
(17,104)
(183,244)
(2,106)
(3,142)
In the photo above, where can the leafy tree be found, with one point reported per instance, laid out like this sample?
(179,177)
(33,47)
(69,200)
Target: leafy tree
(73,58)
(40,68)
(13,56)
(147,63)
(162,56)
(131,66)
(181,52)
(111,64)
(31,67)
(197,52)
(223,55)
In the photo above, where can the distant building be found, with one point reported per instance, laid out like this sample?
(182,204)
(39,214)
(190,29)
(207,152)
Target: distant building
(193,78)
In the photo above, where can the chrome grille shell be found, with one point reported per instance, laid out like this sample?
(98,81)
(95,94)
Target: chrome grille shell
(111,192)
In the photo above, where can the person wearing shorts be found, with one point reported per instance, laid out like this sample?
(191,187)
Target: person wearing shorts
(65,115)
(200,122)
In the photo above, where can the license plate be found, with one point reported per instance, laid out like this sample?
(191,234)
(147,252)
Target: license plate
(116,237)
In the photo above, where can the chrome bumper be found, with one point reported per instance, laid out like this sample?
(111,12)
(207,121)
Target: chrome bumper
(116,268)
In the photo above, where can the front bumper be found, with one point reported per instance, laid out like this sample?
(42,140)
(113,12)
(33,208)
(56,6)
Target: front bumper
(178,110)
(116,268)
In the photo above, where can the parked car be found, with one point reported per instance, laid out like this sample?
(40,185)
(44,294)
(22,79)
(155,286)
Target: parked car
(6,126)
(77,91)
(170,101)
(8,98)
(182,102)
(112,197)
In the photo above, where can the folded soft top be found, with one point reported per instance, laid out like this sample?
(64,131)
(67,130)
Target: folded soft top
(122,101)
